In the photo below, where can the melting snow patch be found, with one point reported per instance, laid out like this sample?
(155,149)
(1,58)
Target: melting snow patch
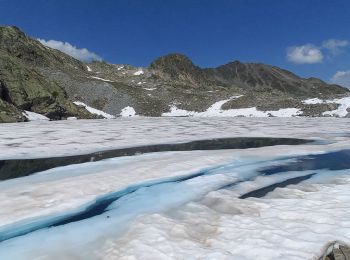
(32,116)
(101,79)
(342,110)
(216,110)
(139,72)
(128,111)
(88,68)
(120,68)
(94,110)
(311,101)
(149,89)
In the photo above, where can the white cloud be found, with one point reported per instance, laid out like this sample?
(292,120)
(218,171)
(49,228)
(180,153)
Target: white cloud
(342,78)
(80,54)
(335,46)
(307,53)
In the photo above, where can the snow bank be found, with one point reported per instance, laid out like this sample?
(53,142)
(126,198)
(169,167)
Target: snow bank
(32,116)
(312,101)
(215,110)
(94,110)
(128,111)
(139,72)
(341,111)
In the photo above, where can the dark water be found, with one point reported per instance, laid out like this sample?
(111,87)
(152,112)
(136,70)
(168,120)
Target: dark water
(18,168)
(265,190)
(338,160)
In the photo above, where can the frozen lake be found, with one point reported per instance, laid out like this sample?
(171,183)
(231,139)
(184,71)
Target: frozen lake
(174,188)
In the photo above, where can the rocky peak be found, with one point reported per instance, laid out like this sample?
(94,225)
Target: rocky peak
(17,44)
(11,32)
(176,67)
(173,61)
(13,40)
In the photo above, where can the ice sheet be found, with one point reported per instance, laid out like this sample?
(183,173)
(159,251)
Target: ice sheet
(192,219)
(58,138)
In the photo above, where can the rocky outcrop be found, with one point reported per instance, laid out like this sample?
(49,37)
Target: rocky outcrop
(22,87)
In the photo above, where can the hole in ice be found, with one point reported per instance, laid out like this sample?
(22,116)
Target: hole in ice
(334,161)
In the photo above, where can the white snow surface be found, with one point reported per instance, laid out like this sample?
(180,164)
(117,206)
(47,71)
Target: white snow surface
(107,80)
(63,138)
(128,111)
(94,110)
(192,219)
(139,72)
(88,68)
(312,101)
(32,116)
(215,110)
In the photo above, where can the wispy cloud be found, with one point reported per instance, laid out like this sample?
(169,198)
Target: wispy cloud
(342,78)
(307,53)
(80,54)
(335,46)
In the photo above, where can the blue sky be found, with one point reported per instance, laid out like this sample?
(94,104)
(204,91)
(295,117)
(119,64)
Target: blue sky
(315,33)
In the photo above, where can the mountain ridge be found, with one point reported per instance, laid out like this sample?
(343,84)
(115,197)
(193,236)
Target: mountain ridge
(43,80)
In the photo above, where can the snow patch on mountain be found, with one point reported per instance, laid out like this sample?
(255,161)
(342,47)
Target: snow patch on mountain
(216,110)
(341,111)
(107,80)
(312,101)
(32,116)
(94,110)
(139,72)
(128,111)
